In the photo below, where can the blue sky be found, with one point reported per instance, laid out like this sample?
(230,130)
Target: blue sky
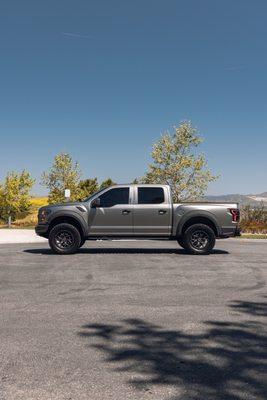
(103,79)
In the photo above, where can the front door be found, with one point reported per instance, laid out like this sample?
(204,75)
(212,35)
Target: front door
(115,214)
(152,213)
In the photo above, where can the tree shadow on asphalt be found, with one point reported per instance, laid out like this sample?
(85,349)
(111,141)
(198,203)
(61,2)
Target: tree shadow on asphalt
(123,250)
(225,362)
(250,307)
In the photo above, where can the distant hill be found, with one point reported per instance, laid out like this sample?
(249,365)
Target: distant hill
(242,199)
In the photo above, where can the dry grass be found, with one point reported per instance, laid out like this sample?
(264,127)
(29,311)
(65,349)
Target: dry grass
(39,201)
(254,227)
(252,236)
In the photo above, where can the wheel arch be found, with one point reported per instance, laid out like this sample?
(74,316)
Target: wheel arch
(203,218)
(68,219)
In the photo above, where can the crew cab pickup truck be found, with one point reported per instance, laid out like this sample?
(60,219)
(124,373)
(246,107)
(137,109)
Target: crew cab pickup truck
(137,211)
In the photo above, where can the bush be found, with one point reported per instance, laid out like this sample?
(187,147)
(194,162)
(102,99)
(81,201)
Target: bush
(254,219)
(29,220)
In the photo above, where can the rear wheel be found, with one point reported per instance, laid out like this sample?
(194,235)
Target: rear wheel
(199,239)
(64,239)
(82,242)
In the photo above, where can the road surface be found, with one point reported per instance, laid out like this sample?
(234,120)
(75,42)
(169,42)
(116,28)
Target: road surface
(133,320)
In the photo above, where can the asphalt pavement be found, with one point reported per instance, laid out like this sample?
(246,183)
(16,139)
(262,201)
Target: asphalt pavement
(133,320)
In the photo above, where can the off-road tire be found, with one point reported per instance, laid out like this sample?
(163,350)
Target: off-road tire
(199,239)
(64,239)
(82,242)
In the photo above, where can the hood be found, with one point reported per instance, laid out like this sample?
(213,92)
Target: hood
(67,203)
(63,205)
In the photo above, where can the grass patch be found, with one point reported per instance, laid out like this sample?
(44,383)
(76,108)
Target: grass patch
(252,236)
(39,201)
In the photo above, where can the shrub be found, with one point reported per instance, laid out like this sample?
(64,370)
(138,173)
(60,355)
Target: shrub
(254,219)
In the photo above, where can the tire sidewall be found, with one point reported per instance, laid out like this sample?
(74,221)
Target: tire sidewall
(82,242)
(187,239)
(72,230)
(180,241)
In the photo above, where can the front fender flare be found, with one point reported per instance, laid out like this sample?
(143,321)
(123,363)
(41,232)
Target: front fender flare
(70,214)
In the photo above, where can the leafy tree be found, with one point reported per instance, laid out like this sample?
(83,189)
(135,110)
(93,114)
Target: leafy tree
(176,163)
(108,182)
(88,187)
(64,174)
(15,195)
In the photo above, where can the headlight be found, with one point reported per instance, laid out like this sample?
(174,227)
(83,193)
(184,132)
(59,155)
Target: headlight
(43,215)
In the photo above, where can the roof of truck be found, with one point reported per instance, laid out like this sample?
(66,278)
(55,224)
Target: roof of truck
(139,184)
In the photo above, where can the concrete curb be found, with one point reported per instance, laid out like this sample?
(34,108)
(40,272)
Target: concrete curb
(19,236)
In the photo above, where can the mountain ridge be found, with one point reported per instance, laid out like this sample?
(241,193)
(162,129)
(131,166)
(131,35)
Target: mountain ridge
(242,199)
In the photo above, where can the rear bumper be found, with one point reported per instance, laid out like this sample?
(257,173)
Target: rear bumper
(230,232)
(42,230)
(237,232)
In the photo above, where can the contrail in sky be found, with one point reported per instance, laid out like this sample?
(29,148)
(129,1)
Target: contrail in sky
(235,68)
(78,35)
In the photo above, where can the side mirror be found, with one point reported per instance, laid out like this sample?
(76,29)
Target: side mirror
(95,203)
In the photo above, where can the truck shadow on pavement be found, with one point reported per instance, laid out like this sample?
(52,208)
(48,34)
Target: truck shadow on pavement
(123,250)
(225,362)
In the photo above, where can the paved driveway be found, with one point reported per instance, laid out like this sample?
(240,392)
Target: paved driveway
(131,320)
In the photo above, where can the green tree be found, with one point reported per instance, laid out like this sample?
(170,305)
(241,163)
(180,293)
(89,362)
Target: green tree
(15,195)
(106,183)
(64,174)
(176,163)
(88,187)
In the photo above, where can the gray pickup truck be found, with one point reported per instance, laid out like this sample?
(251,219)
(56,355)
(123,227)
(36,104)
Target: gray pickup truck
(137,211)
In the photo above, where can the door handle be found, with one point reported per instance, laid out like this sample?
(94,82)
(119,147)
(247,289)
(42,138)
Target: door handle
(125,212)
(161,212)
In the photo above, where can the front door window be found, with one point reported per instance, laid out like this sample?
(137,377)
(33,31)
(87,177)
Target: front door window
(114,196)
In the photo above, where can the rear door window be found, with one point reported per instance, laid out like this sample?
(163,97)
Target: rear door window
(150,195)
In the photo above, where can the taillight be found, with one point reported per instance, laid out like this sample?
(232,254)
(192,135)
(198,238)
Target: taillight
(235,214)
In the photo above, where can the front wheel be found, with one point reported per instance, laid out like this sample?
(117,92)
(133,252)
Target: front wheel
(199,239)
(180,241)
(64,239)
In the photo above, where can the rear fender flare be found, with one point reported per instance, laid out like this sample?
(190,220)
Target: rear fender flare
(197,214)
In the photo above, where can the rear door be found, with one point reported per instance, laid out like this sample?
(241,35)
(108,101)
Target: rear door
(115,214)
(152,211)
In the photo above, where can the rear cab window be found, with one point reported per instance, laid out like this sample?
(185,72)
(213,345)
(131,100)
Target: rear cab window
(150,195)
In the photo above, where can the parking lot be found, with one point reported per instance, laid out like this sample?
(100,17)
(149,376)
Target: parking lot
(133,320)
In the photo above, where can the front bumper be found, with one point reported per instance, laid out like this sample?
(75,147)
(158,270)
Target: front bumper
(42,230)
